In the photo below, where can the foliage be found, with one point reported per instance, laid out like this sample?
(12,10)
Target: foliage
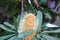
(12,9)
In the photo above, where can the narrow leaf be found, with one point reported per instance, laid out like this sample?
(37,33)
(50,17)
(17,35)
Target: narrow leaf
(48,15)
(6,36)
(5,28)
(9,25)
(47,37)
(42,39)
(14,38)
(39,20)
(34,38)
(23,34)
(54,31)
(18,19)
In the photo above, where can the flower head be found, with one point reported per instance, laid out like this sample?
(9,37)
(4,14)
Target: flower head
(28,23)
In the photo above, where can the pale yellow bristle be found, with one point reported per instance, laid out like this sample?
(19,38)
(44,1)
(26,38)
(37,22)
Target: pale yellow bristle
(29,24)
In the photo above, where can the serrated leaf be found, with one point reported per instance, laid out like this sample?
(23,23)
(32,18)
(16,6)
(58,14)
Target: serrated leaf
(47,37)
(39,20)
(5,28)
(6,36)
(23,34)
(9,25)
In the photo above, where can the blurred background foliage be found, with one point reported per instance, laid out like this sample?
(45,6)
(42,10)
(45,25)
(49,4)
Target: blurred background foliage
(10,11)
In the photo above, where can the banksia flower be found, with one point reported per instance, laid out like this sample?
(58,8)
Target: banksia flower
(29,23)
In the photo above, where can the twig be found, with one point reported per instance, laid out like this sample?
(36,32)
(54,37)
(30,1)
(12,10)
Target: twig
(21,6)
(57,7)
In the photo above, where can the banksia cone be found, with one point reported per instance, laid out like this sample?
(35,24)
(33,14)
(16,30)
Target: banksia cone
(29,24)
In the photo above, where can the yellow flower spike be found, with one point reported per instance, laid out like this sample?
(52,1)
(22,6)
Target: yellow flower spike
(28,22)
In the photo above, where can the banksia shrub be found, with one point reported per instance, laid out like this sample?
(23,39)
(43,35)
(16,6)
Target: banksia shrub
(29,24)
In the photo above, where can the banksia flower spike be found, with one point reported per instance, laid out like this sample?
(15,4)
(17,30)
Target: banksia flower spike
(28,23)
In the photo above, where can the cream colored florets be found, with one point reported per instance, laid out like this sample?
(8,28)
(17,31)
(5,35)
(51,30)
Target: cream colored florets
(29,23)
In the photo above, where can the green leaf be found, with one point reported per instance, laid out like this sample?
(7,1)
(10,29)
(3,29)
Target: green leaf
(29,7)
(23,34)
(5,28)
(42,39)
(18,19)
(6,36)
(39,20)
(52,13)
(34,38)
(15,23)
(38,35)
(48,15)
(14,38)
(43,1)
(57,20)
(53,31)
(45,10)
(9,25)
(47,37)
